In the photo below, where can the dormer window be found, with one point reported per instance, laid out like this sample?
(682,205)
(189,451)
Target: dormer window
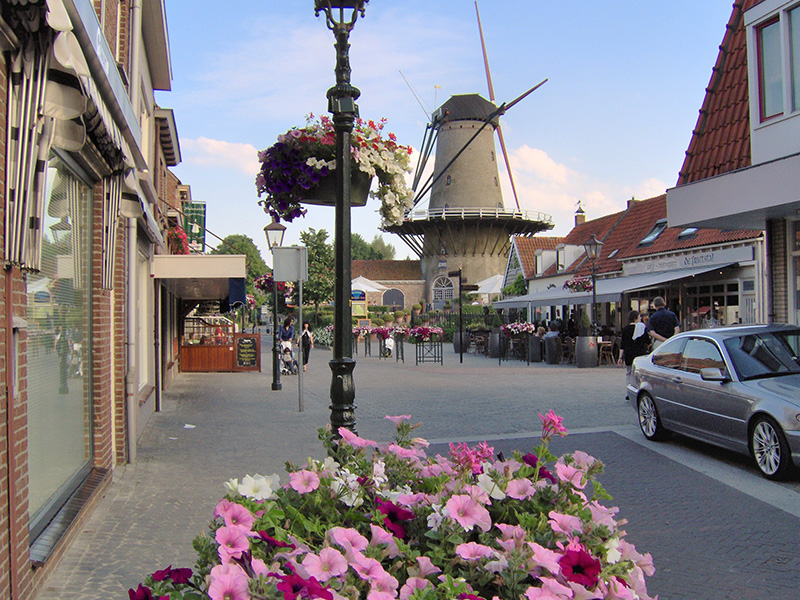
(613,254)
(660,226)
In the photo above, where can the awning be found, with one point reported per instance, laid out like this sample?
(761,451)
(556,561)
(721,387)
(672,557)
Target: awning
(199,276)
(608,290)
(366,285)
(491,285)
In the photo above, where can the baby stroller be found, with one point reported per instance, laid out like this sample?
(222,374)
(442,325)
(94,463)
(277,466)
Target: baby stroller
(388,347)
(288,363)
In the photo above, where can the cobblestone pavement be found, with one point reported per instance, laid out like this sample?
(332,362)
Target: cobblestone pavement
(715,528)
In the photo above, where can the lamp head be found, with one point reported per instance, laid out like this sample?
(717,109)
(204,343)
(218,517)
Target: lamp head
(593,247)
(274,232)
(335,12)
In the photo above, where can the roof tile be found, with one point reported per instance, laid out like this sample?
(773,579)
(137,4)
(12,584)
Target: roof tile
(387,270)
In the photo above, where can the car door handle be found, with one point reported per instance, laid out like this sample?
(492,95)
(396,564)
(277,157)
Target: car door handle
(677,380)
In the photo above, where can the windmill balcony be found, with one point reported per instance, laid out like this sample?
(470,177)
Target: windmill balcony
(468,213)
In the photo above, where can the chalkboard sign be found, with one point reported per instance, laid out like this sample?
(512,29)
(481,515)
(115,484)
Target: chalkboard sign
(248,353)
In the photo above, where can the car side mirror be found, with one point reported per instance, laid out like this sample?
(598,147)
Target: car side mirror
(712,374)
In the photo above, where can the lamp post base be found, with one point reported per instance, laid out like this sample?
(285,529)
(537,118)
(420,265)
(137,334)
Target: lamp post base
(343,393)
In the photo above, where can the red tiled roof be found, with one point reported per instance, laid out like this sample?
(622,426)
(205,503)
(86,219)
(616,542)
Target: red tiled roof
(387,270)
(526,248)
(721,138)
(624,230)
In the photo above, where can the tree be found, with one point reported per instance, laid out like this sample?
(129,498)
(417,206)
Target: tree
(518,288)
(381,249)
(241,244)
(321,277)
(359,248)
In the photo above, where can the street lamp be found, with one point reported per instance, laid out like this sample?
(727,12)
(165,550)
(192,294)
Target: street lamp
(340,18)
(274,232)
(593,249)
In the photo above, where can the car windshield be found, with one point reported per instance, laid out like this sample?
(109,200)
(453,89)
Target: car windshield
(769,354)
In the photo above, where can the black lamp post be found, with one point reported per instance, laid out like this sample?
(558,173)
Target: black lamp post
(274,232)
(340,17)
(593,248)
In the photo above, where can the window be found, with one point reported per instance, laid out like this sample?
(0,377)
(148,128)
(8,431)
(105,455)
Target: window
(687,233)
(794,35)
(613,254)
(701,354)
(770,69)
(442,289)
(668,354)
(660,226)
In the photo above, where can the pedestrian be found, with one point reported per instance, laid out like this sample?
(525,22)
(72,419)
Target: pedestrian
(306,341)
(287,330)
(663,323)
(634,343)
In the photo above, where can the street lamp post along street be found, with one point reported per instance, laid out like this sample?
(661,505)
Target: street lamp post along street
(340,18)
(593,249)
(274,232)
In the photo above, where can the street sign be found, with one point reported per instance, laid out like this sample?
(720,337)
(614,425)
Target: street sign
(470,288)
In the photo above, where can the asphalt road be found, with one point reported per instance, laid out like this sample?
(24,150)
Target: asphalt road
(716,529)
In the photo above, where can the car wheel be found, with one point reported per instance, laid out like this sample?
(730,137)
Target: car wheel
(770,449)
(649,421)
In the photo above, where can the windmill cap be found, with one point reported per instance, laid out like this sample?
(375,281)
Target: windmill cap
(466,107)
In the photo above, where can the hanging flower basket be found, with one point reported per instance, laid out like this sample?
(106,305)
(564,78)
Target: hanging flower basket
(300,169)
(578,284)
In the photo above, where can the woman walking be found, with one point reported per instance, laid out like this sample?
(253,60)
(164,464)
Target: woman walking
(634,343)
(306,340)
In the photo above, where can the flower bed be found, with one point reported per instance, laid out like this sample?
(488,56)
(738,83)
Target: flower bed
(423,333)
(304,155)
(386,522)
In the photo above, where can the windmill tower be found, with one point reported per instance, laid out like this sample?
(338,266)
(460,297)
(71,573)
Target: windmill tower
(466,224)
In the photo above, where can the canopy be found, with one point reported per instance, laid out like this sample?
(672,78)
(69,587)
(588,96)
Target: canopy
(366,285)
(608,290)
(491,285)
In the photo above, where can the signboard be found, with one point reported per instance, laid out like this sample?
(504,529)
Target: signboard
(689,260)
(194,224)
(358,303)
(358,296)
(248,353)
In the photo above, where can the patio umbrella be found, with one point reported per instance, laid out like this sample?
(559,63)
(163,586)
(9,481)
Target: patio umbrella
(492,285)
(366,285)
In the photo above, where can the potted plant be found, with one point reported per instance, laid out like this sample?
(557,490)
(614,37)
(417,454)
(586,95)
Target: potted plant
(300,169)
(416,308)
(398,316)
(388,318)
(387,521)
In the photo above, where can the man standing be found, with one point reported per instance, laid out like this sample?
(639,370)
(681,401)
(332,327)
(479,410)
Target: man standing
(663,323)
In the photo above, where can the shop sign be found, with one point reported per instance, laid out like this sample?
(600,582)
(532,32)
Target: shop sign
(689,261)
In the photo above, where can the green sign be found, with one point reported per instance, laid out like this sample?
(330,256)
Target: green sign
(194,224)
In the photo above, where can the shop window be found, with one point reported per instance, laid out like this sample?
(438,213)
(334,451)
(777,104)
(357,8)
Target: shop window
(657,229)
(770,69)
(59,346)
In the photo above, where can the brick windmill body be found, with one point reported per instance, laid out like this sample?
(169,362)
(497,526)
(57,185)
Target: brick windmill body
(466,225)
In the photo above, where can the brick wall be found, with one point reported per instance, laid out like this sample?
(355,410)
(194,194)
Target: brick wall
(778,312)
(5,563)
(120,309)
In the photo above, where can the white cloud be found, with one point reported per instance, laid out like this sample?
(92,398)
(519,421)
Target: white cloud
(220,154)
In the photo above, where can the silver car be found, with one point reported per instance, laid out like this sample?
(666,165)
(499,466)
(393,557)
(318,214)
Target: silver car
(735,387)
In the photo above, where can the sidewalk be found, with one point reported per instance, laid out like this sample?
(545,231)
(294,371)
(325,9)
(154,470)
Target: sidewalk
(691,524)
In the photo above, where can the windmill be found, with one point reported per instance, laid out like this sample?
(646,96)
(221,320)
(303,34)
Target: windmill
(466,224)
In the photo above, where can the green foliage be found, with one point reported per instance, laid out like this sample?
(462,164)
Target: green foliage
(518,288)
(377,249)
(321,277)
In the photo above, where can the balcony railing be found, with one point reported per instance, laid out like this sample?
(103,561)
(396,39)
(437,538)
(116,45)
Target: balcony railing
(476,213)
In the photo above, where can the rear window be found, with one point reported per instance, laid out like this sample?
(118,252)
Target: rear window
(765,354)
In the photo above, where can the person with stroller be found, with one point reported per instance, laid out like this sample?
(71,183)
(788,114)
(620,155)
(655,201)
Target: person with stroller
(306,341)
(286,334)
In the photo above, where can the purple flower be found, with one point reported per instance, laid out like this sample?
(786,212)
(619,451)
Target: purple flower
(580,567)
(393,515)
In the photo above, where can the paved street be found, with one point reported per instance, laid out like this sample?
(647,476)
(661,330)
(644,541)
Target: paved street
(715,528)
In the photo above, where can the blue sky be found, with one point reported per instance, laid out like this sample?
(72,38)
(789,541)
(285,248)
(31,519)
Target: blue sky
(626,81)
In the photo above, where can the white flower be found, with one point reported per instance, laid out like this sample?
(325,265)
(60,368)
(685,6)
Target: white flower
(259,487)
(232,486)
(488,485)
(346,487)
(379,474)
(613,555)
(436,517)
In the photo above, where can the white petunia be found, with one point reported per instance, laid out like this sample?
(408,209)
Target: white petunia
(232,486)
(488,485)
(259,487)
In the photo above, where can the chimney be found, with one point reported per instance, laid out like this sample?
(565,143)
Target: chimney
(580,216)
(631,201)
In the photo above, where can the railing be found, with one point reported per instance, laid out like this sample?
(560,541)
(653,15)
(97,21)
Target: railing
(476,213)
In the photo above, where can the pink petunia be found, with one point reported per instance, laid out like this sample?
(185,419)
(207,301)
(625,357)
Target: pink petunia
(354,440)
(520,489)
(602,515)
(228,582)
(402,452)
(398,419)
(384,583)
(329,563)
(583,460)
(367,568)
(543,558)
(304,481)
(566,524)
(509,532)
(237,515)
(569,474)
(348,537)
(468,513)
(426,567)
(550,590)
(232,542)
(382,537)
(380,595)
(412,584)
(472,551)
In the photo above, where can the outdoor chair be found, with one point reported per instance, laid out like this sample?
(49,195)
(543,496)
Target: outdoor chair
(480,344)
(553,350)
(607,351)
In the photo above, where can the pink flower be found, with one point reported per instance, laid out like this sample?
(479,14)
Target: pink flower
(228,582)
(550,590)
(329,563)
(426,567)
(304,481)
(580,567)
(520,489)
(398,419)
(235,515)
(411,584)
(379,595)
(402,452)
(355,441)
(551,425)
(468,513)
(380,536)
(564,523)
(583,460)
(368,569)
(473,551)
(602,515)
(384,583)
(569,474)
(232,542)
(347,537)
(544,558)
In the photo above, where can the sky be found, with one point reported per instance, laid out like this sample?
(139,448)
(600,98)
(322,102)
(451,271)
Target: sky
(626,79)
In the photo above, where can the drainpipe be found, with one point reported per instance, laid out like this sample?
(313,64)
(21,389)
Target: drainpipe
(130,327)
(135,58)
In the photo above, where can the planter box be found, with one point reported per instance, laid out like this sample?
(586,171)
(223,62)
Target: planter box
(324,193)
(429,352)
